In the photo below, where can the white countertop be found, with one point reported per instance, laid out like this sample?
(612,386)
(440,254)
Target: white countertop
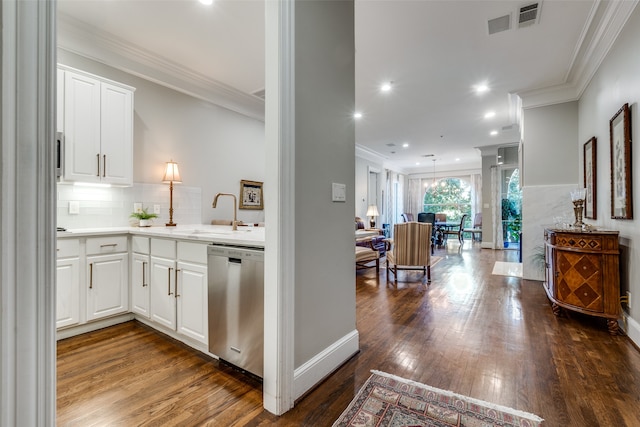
(223,234)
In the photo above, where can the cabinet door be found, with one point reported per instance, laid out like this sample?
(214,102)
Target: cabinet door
(116,135)
(579,280)
(81,128)
(107,285)
(68,292)
(192,301)
(140,284)
(163,301)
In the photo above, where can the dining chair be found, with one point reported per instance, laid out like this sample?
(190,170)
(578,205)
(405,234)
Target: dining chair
(409,249)
(407,217)
(441,217)
(476,228)
(458,230)
(429,217)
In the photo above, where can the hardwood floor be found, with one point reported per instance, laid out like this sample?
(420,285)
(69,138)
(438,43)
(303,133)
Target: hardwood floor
(494,338)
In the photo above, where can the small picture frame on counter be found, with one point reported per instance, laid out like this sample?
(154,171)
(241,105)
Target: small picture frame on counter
(251,196)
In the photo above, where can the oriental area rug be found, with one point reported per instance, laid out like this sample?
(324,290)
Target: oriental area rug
(389,401)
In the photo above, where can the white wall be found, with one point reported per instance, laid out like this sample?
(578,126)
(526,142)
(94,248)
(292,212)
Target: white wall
(617,82)
(214,147)
(324,153)
(549,139)
(551,171)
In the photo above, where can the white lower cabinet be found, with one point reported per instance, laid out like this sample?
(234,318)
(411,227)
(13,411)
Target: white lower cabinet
(107,285)
(140,284)
(68,283)
(192,301)
(178,294)
(163,297)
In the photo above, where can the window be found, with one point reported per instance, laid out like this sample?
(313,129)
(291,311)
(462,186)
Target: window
(450,196)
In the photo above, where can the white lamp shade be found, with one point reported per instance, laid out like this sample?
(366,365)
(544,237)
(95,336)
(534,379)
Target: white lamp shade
(172,174)
(372,210)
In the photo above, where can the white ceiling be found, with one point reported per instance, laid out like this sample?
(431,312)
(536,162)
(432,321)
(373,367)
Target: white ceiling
(433,51)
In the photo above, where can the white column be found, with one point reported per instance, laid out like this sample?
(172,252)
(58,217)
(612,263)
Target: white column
(27,214)
(280,247)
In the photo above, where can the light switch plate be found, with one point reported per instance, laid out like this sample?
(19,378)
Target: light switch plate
(137,207)
(74,208)
(156,209)
(338,192)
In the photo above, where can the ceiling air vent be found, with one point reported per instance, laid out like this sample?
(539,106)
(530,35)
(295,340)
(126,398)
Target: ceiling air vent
(391,144)
(497,25)
(259,93)
(529,15)
(428,155)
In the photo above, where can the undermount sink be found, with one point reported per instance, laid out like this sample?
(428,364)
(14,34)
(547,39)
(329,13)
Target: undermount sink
(207,232)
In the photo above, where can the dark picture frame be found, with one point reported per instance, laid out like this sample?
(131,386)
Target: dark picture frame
(251,196)
(590,170)
(620,134)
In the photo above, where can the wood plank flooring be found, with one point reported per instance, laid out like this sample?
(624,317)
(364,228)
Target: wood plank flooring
(490,337)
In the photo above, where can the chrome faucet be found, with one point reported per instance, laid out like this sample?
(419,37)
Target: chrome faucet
(235,210)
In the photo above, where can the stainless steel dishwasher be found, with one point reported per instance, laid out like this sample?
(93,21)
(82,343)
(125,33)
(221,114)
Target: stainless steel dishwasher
(236,306)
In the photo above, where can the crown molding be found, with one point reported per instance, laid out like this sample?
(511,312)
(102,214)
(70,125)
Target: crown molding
(606,21)
(79,38)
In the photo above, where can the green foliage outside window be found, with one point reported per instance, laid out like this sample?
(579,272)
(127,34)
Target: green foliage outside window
(450,196)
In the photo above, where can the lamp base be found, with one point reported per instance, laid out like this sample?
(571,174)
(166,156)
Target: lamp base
(372,223)
(171,224)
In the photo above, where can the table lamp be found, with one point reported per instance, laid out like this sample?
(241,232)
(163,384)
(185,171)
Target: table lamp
(372,211)
(171,175)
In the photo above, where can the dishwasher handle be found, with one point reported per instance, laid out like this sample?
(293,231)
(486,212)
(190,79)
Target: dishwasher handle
(235,260)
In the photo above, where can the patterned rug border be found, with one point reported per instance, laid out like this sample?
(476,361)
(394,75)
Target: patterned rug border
(512,411)
(515,412)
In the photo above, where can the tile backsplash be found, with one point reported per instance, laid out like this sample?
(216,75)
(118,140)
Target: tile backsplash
(111,206)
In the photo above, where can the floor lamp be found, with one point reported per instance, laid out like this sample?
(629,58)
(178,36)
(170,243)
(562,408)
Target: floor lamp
(171,175)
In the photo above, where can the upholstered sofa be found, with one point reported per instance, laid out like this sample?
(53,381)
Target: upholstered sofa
(375,242)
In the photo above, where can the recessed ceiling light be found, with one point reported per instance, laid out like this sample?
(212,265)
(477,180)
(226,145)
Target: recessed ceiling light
(481,88)
(206,2)
(357,115)
(489,114)
(386,86)
(493,133)
(417,163)
(405,145)
(457,159)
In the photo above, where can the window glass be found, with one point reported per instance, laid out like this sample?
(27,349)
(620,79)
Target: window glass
(451,196)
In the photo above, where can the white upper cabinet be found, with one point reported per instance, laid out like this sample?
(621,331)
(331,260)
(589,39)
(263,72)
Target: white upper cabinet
(98,129)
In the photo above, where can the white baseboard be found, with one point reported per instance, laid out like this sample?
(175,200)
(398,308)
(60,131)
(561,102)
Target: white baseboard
(486,245)
(324,363)
(631,328)
(92,326)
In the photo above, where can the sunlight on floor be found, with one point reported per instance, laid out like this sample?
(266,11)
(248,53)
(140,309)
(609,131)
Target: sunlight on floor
(507,269)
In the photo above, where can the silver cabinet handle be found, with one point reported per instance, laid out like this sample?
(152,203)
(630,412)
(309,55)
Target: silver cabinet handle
(104,165)
(106,245)
(169,281)
(91,276)
(98,157)
(176,283)
(144,280)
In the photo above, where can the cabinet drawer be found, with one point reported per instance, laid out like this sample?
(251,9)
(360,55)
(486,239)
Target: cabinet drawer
(66,248)
(106,245)
(192,252)
(140,244)
(163,248)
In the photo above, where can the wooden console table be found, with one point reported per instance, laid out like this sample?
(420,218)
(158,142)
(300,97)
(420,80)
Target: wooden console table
(582,273)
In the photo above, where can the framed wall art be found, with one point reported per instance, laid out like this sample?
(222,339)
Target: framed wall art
(589,173)
(251,195)
(620,132)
